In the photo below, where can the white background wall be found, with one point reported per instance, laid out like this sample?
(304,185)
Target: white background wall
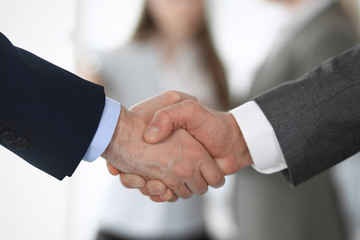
(34,205)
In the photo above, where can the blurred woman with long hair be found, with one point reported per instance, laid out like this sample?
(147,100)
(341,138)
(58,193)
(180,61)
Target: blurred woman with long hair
(171,49)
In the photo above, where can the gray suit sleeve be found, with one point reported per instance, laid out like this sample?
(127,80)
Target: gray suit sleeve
(317,117)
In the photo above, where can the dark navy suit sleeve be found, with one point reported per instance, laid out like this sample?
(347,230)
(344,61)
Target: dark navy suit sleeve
(48,116)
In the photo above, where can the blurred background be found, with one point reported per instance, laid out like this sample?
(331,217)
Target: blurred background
(73,34)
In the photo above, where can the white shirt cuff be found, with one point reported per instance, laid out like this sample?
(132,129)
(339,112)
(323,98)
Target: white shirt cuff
(260,137)
(104,131)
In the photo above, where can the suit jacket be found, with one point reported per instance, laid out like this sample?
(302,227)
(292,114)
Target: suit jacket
(48,116)
(317,117)
(266,208)
(327,35)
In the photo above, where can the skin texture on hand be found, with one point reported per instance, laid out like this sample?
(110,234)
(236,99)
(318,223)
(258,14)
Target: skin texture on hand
(180,161)
(218,132)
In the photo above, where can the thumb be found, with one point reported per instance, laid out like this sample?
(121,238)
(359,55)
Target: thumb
(159,129)
(166,121)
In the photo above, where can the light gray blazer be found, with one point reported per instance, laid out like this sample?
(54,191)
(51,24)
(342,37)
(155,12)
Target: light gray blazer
(313,119)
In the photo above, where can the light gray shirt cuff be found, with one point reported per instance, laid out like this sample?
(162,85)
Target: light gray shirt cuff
(104,131)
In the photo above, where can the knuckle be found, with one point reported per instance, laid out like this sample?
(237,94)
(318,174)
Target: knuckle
(162,114)
(192,106)
(183,172)
(156,188)
(173,185)
(184,193)
(173,96)
(191,103)
(132,181)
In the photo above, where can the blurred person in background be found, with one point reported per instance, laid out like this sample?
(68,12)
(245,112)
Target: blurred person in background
(346,174)
(266,207)
(171,49)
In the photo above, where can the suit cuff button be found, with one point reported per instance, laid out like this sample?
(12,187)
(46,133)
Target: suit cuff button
(8,137)
(22,143)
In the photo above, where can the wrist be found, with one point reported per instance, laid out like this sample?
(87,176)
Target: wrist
(113,148)
(127,143)
(242,151)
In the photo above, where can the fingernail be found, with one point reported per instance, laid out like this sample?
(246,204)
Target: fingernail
(151,132)
(164,197)
(155,191)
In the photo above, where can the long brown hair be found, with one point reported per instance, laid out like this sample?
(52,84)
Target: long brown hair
(146,28)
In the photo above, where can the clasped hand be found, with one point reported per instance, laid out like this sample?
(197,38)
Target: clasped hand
(171,146)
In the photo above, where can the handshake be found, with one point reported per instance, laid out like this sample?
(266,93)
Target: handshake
(171,146)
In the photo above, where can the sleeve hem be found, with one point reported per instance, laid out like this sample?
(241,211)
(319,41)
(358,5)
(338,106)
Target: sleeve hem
(260,137)
(104,131)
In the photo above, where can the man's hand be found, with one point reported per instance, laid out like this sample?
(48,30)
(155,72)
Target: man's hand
(155,189)
(180,162)
(218,132)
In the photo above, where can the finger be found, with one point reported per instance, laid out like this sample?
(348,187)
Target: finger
(145,191)
(165,121)
(197,188)
(197,185)
(174,198)
(157,199)
(132,180)
(212,174)
(183,191)
(156,187)
(168,196)
(112,170)
(188,170)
